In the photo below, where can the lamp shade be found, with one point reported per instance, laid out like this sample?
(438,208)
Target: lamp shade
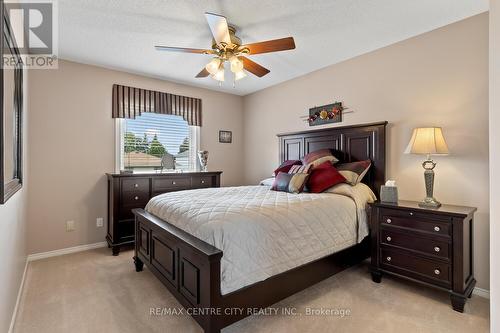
(427,141)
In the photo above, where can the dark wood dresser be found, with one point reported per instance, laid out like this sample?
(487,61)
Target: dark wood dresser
(429,246)
(129,191)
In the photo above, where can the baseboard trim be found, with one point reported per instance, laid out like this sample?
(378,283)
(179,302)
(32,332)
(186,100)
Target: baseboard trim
(68,250)
(18,300)
(481,292)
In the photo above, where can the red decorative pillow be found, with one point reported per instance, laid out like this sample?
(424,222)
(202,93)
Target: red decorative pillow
(286,166)
(317,157)
(323,177)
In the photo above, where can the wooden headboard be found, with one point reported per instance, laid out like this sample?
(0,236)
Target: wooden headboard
(348,144)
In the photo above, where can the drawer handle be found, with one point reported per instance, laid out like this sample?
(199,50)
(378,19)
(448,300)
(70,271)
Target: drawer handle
(136,185)
(411,213)
(203,182)
(136,198)
(437,271)
(173,183)
(437,249)
(436,228)
(388,221)
(389,238)
(389,258)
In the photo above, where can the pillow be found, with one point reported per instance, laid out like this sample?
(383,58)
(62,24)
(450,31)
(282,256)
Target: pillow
(267,182)
(300,169)
(285,166)
(291,183)
(319,156)
(323,177)
(355,171)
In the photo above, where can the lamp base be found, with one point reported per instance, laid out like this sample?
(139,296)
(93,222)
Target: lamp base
(429,200)
(430,203)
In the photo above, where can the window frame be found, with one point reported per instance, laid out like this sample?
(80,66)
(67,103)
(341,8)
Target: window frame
(194,146)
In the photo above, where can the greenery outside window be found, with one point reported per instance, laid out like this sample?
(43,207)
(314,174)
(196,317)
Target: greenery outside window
(156,142)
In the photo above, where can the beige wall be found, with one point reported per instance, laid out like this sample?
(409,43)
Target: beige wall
(72,143)
(436,79)
(495,164)
(13,220)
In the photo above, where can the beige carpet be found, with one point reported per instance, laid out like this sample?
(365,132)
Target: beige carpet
(95,292)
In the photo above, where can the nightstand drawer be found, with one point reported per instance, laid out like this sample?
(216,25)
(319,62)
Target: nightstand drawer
(416,221)
(402,262)
(407,240)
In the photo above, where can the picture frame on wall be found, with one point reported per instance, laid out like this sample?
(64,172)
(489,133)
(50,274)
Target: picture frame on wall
(225,136)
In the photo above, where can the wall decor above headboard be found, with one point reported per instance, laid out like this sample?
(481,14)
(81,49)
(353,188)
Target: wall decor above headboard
(348,144)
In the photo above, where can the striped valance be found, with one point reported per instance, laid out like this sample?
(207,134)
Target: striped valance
(129,102)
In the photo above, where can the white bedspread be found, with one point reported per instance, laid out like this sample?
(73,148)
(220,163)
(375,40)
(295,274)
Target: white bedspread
(262,232)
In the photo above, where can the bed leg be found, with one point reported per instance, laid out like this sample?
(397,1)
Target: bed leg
(139,265)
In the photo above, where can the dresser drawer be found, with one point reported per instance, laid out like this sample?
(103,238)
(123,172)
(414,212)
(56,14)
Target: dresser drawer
(416,221)
(138,199)
(171,183)
(202,182)
(428,245)
(396,260)
(135,184)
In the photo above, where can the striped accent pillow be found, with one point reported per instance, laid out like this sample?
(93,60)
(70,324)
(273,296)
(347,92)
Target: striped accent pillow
(285,166)
(291,183)
(355,171)
(300,169)
(319,156)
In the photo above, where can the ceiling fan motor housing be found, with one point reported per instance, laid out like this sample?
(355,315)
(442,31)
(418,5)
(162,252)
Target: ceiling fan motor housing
(235,40)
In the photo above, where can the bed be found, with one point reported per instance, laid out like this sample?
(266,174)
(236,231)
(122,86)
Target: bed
(248,247)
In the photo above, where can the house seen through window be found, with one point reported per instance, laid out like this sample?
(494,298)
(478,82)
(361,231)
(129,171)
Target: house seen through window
(158,142)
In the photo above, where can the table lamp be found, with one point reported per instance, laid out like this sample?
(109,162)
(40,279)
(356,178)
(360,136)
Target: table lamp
(428,141)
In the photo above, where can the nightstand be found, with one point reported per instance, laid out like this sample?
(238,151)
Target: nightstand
(430,246)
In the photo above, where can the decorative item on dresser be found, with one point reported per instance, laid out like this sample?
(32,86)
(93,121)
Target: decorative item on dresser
(129,191)
(429,246)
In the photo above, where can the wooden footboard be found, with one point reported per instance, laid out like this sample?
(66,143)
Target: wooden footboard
(186,265)
(190,269)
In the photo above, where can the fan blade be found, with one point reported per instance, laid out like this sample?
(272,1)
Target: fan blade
(270,46)
(254,67)
(203,73)
(219,28)
(183,49)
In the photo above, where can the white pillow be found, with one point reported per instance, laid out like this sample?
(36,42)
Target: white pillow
(267,181)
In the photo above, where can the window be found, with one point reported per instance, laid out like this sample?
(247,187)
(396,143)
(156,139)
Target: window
(157,142)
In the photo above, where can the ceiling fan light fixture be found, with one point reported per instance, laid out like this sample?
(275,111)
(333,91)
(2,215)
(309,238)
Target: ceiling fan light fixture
(236,64)
(219,75)
(239,75)
(213,66)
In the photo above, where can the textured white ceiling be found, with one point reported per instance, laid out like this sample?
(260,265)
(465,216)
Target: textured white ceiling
(120,34)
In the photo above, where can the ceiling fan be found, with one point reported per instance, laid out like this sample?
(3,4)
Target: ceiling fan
(226,46)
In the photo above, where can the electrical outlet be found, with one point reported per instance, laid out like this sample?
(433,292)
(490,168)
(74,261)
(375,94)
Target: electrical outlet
(99,222)
(70,225)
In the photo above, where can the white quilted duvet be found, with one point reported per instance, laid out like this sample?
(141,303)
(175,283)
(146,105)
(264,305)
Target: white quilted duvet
(262,232)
